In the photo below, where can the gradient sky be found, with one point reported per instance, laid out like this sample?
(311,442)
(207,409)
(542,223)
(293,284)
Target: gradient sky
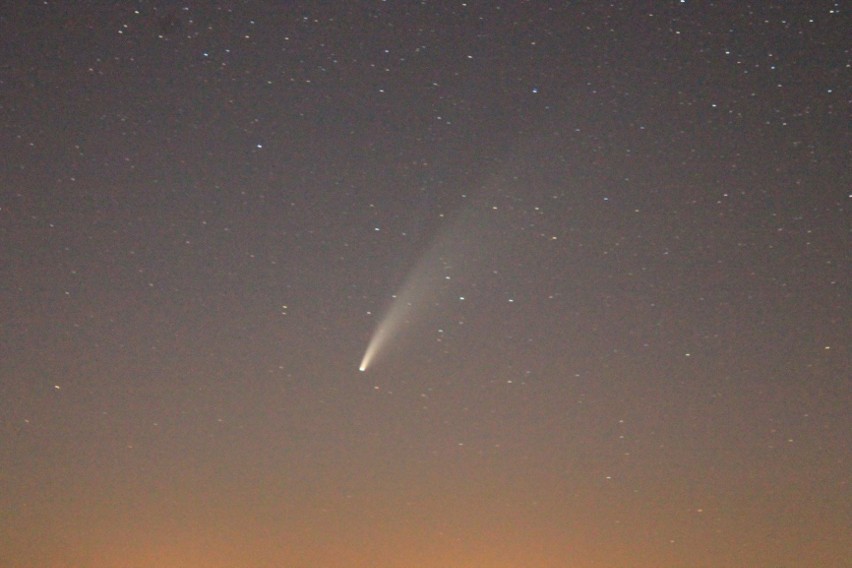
(618,234)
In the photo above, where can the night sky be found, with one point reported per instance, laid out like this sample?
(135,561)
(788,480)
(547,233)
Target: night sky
(601,250)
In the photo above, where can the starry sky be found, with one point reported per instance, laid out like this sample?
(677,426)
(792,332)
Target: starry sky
(608,243)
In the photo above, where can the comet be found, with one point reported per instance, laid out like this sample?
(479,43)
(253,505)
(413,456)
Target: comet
(455,249)
(418,288)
